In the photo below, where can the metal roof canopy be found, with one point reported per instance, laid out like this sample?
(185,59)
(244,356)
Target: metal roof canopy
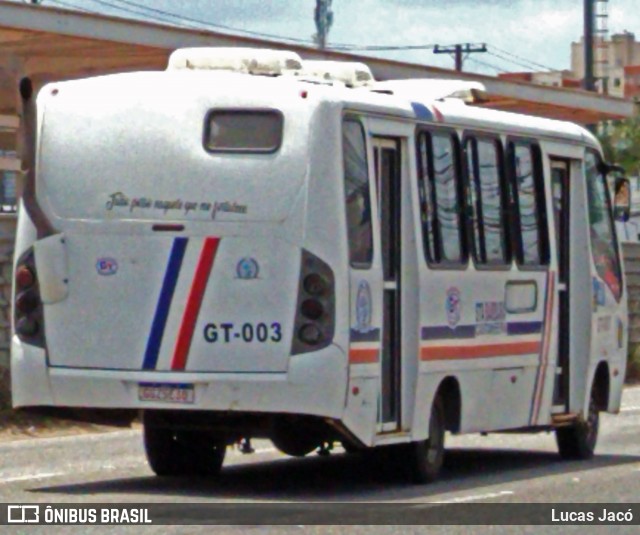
(52,44)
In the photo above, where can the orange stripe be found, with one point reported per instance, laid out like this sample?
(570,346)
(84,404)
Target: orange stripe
(544,358)
(480,351)
(363,356)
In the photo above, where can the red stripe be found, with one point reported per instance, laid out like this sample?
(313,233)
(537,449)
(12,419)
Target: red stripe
(438,114)
(545,354)
(363,356)
(479,351)
(192,309)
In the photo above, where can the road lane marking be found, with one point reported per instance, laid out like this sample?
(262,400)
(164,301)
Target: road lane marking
(478,497)
(630,408)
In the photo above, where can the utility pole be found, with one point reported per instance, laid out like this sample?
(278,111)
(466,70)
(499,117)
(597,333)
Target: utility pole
(458,50)
(589,81)
(324,18)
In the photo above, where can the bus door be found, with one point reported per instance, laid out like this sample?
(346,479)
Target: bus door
(387,158)
(561,210)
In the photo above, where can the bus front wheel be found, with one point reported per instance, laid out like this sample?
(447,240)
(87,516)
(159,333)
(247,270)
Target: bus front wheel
(427,455)
(183,453)
(578,441)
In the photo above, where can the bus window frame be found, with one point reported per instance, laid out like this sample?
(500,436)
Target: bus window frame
(427,131)
(206,131)
(542,219)
(474,136)
(349,117)
(616,244)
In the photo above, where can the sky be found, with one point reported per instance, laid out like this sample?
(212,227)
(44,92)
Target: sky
(520,34)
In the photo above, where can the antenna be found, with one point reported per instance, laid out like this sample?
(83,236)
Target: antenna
(601,37)
(324,19)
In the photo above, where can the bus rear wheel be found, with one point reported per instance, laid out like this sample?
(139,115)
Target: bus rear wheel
(176,453)
(578,441)
(426,456)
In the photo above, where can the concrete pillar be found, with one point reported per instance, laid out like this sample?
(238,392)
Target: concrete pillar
(9,162)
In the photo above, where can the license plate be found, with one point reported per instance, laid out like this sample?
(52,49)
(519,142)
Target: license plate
(164,393)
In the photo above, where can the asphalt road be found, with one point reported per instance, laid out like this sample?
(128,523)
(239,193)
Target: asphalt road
(498,468)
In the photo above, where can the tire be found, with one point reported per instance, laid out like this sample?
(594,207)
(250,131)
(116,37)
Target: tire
(426,456)
(578,441)
(173,453)
(294,440)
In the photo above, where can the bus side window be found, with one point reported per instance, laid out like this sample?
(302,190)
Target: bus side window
(531,232)
(487,201)
(357,196)
(440,198)
(603,239)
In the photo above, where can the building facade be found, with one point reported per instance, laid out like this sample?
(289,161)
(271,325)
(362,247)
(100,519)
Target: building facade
(617,64)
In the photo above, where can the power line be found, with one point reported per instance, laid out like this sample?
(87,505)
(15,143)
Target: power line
(164,16)
(347,47)
(179,17)
(486,64)
(159,15)
(512,61)
(540,65)
(72,6)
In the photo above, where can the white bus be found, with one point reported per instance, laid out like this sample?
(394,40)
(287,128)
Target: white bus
(249,245)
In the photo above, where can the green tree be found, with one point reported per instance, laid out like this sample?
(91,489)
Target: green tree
(621,144)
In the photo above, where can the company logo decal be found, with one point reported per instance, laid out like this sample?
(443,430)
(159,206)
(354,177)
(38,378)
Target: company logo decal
(248,268)
(453,306)
(363,307)
(490,318)
(106,266)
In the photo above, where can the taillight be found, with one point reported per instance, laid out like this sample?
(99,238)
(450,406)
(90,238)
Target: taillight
(27,302)
(27,311)
(315,310)
(314,284)
(312,309)
(25,278)
(26,327)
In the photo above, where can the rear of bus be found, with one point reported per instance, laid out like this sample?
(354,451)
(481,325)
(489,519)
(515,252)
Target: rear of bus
(163,260)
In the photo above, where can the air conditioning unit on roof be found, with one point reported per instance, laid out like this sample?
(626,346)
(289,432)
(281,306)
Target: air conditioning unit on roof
(432,89)
(350,73)
(259,61)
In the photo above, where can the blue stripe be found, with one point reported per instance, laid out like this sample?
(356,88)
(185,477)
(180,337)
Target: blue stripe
(164,303)
(370,336)
(171,385)
(421,111)
(444,332)
(528,327)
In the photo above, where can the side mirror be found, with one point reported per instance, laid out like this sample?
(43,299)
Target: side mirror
(622,200)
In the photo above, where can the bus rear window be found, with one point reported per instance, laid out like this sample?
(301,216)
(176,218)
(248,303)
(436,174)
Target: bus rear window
(244,131)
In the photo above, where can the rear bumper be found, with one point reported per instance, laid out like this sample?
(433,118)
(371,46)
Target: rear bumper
(315,384)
